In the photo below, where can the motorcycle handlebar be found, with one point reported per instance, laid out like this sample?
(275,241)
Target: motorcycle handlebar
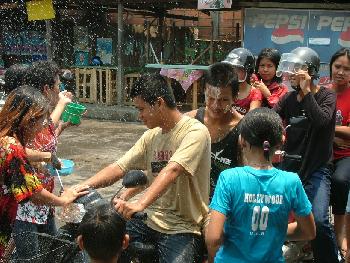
(292,157)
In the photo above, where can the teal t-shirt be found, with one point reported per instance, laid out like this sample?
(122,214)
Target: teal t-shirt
(256,204)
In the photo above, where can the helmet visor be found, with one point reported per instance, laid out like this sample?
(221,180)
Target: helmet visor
(290,64)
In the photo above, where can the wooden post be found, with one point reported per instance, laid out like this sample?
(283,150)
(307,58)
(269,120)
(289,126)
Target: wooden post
(48,40)
(77,78)
(93,85)
(84,84)
(173,38)
(109,90)
(100,88)
(212,43)
(161,35)
(120,87)
(194,95)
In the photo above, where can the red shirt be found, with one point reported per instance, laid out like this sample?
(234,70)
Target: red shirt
(278,90)
(343,117)
(243,105)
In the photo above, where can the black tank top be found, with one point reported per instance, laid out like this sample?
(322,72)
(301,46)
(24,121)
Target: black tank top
(224,153)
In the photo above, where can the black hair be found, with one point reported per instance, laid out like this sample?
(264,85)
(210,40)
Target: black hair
(341,52)
(262,127)
(150,87)
(222,75)
(102,230)
(14,77)
(271,54)
(42,73)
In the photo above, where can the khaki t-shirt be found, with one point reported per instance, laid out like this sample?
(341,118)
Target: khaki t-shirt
(184,206)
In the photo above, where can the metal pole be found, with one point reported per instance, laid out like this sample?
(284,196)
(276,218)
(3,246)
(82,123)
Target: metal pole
(161,34)
(48,40)
(147,47)
(120,86)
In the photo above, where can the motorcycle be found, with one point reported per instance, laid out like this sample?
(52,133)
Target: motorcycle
(62,248)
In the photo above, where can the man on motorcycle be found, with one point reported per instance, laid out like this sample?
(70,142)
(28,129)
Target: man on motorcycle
(175,153)
(311,138)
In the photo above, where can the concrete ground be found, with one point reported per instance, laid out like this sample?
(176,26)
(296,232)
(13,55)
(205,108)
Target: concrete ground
(95,144)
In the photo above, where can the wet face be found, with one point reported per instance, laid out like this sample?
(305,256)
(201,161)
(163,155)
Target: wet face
(218,101)
(51,93)
(267,70)
(148,114)
(341,71)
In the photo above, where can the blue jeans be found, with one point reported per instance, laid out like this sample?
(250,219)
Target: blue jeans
(340,185)
(171,248)
(317,188)
(27,244)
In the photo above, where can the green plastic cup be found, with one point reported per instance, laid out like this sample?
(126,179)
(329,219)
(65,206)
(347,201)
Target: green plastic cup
(73,112)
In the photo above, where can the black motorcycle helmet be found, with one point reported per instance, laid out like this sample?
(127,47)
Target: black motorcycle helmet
(241,57)
(310,58)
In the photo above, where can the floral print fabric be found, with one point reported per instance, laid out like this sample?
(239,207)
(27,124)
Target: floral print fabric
(45,141)
(18,183)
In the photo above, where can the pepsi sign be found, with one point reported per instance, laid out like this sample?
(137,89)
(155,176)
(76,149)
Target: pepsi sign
(286,29)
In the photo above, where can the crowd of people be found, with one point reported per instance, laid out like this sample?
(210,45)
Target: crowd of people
(214,193)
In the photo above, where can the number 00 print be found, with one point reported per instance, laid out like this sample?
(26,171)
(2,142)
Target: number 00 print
(259,218)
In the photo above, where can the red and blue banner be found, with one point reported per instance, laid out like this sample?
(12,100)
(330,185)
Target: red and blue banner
(286,29)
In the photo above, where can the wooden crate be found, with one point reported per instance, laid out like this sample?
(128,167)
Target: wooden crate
(106,86)
(85,85)
(96,85)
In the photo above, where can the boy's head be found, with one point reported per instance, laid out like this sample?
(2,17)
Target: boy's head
(102,233)
(44,76)
(151,87)
(152,95)
(14,77)
(221,89)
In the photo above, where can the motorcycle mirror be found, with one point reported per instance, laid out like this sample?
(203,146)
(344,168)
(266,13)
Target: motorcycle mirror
(90,198)
(134,178)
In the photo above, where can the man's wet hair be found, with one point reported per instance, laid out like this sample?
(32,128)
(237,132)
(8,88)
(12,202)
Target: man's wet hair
(42,73)
(262,127)
(341,52)
(14,77)
(103,231)
(150,87)
(222,75)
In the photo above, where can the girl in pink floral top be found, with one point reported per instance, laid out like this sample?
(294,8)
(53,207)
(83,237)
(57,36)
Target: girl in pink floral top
(31,216)
(22,117)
